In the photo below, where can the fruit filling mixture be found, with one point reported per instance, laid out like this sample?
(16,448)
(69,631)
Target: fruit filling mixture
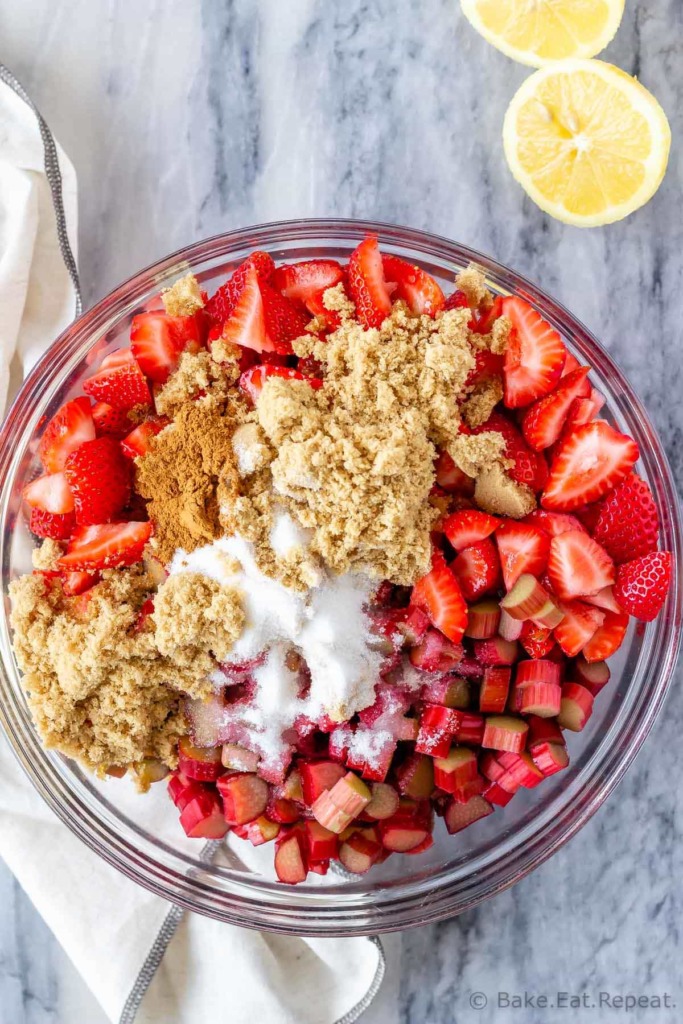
(333,553)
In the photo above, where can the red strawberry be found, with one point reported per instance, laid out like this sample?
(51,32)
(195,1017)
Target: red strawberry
(284,321)
(70,426)
(413,285)
(50,493)
(99,478)
(529,467)
(106,546)
(588,515)
(591,461)
(439,595)
(483,321)
(246,324)
(367,284)
(583,410)
(627,525)
(469,526)
(522,549)
(535,355)
(252,381)
(477,570)
(137,443)
(123,386)
(608,638)
(118,358)
(553,523)
(157,341)
(544,420)
(571,363)
(451,477)
(579,624)
(52,524)
(537,641)
(221,305)
(457,300)
(74,583)
(643,583)
(111,421)
(306,282)
(487,364)
(578,566)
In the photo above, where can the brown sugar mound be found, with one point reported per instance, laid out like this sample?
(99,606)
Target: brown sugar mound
(184,297)
(193,613)
(101,689)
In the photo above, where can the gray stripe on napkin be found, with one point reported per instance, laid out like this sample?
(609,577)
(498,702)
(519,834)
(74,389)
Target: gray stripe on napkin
(54,176)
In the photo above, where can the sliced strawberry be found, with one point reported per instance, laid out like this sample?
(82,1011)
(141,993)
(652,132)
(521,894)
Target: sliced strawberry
(643,583)
(579,624)
(99,478)
(221,305)
(283,320)
(483,322)
(571,363)
(121,357)
(246,324)
(124,387)
(537,641)
(111,421)
(578,566)
(414,286)
(468,527)
(52,524)
(583,410)
(70,426)
(157,341)
(553,523)
(251,382)
(457,300)
(627,525)
(439,595)
(608,638)
(477,570)
(544,420)
(591,461)
(487,364)
(529,467)
(604,599)
(367,284)
(74,583)
(51,493)
(106,546)
(307,282)
(523,549)
(535,355)
(137,443)
(451,477)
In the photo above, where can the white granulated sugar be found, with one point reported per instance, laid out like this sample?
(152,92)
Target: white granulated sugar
(286,535)
(250,451)
(327,626)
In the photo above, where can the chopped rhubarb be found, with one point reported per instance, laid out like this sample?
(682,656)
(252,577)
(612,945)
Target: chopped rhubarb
(202,817)
(502,732)
(245,797)
(458,816)
(337,807)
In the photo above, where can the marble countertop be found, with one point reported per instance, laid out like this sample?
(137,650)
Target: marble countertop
(188,117)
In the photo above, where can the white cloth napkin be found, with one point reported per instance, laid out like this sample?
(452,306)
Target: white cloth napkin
(144,960)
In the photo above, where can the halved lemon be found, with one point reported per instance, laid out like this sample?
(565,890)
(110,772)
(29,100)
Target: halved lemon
(586,141)
(537,31)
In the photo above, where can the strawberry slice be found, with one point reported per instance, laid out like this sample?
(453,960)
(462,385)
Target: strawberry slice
(592,460)
(578,566)
(583,410)
(487,364)
(469,526)
(439,595)
(137,443)
(535,355)
(111,421)
(306,282)
(544,420)
(580,623)
(553,523)
(123,386)
(367,284)
(246,324)
(99,478)
(627,525)
(157,341)
(74,583)
(523,549)
(52,524)
(414,286)
(120,357)
(643,583)
(607,638)
(457,300)
(221,305)
(477,570)
(530,467)
(251,382)
(106,546)
(451,478)
(70,426)
(283,320)
(482,322)
(537,641)
(50,493)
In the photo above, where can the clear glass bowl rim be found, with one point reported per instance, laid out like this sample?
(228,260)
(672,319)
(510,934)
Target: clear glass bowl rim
(280,908)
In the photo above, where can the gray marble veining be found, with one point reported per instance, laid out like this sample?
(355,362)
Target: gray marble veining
(188,117)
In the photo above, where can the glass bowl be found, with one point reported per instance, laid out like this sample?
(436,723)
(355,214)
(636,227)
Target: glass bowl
(141,836)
